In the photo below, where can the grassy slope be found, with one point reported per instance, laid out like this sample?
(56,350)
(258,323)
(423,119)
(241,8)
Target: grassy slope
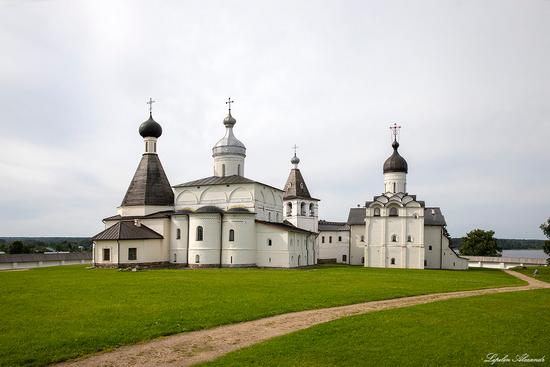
(58,313)
(458,332)
(544,272)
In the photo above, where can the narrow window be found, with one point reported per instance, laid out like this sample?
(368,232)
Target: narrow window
(269,216)
(269,260)
(362,238)
(199,233)
(106,254)
(277,217)
(223,170)
(175,258)
(231,235)
(394,187)
(393,212)
(154,147)
(132,253)
(362,260)
(430,247)
(178,234)
(311,210)
(339,238)
(239,170)
(425,262)
(329,239)
(393,261)
(231,260)
(197,259)
(269,243)
(323,239)
(344,258)
(376,212)
(303,209)
(393,238)
(409,238)
(289,209)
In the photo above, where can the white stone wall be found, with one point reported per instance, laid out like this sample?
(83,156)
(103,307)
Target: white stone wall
(207,250)
(178,246)
(228,165)
(395,182)
(395,241)
(140,210)
(276,255)
(242,250)
(337,249)
(265,201)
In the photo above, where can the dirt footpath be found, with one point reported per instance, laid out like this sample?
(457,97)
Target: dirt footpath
(189,348)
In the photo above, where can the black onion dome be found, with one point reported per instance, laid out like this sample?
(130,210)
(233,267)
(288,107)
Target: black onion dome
(395,163)
(150,128)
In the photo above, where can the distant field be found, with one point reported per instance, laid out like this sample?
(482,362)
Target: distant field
(53,314)
(458,332)
(544,272)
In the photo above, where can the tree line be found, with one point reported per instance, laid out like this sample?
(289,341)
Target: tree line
(30,245)
(483,243)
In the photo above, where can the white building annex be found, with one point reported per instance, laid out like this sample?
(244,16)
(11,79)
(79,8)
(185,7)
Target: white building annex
(225,220)
(394,230)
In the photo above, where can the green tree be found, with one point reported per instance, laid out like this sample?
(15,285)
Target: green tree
(545,227)
(480,243)
(17,247)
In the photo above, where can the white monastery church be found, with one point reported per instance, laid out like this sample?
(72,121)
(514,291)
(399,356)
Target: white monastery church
(394,230)
(225,220)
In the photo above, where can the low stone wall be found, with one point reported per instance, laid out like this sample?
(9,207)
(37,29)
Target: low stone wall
(29,261)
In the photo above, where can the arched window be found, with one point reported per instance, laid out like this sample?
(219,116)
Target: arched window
(197,259)
(362,238)
(223,170)
(393,212)
(311,210)
(269,216)
(409,238)
(362,260)
(394,238)
(303,209)
(269,243)
(339,238)
(376,212)
(199,233)
(430,247)
(329,239)
(239,169)
(277,217)
(394,187)
(322,239)
(289,209)
(231,235)
(393,261)
(175,257)
(231,260)
(178,234)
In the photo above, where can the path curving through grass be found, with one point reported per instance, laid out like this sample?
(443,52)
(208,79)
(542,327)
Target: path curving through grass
(201,346)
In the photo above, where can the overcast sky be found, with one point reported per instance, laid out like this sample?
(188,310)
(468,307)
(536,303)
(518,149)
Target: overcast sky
(469,81)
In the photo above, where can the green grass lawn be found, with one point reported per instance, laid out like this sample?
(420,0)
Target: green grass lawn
(54,314)
(459,332)
(544,272)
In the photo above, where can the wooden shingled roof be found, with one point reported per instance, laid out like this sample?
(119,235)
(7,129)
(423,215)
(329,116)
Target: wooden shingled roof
(150,186)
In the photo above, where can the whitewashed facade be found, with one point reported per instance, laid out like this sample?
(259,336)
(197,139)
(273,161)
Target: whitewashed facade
(225,220)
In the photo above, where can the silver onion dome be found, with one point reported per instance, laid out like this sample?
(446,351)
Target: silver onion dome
(229,144)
